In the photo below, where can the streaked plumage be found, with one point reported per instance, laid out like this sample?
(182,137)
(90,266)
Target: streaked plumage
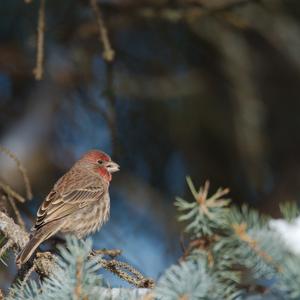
(78,203)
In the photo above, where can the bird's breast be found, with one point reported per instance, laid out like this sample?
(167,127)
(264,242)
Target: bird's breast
(88,219)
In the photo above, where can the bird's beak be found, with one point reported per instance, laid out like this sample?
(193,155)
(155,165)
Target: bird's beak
(112,167)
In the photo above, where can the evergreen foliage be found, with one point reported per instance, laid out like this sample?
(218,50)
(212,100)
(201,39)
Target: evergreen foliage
(238,250)
(232,251)
(75,276)
(289,210)
(204,215)
(170,285)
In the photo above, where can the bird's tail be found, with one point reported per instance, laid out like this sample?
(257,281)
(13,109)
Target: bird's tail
(37,238)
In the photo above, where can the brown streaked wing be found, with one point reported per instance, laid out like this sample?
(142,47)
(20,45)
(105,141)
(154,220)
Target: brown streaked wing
(57,206)
(42,211)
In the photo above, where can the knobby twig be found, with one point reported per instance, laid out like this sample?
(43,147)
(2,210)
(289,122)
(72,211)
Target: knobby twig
(38,70)
(108,52)
(126,272)
(21,169)
(109,252)
(13,231)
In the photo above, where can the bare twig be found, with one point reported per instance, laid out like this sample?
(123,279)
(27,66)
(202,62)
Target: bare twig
(28,275)
(109,252)
(108,52)
(8,190)
(16,211)
(38,70)
(21,169)
(3,203)
(6,246)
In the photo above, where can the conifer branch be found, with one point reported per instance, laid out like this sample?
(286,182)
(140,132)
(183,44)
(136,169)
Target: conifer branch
(45,263)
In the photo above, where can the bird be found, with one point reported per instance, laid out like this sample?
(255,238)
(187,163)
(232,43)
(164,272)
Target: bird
(78,203)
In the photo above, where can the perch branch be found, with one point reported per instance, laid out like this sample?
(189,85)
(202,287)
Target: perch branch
(108,52)
(13,231)
(44,263)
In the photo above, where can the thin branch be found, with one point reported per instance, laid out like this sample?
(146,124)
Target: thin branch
(108,52)
(3,203)
(9,191)
(23,282)
(38,70)
(126,272)
(16,211)
(183,11)
(6,246)
(109,252)
(21,169)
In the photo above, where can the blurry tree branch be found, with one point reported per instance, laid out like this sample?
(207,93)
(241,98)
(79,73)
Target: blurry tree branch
(38,71)
(184,10)
(108,52)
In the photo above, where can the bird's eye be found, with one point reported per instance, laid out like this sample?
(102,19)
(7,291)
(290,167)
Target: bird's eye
(100,162)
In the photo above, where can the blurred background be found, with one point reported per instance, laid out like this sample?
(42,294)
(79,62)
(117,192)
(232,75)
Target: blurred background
(206,88)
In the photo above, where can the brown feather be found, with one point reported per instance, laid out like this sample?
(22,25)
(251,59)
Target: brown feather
(78,204)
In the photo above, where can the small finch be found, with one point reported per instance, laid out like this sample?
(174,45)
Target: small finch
(78,203)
